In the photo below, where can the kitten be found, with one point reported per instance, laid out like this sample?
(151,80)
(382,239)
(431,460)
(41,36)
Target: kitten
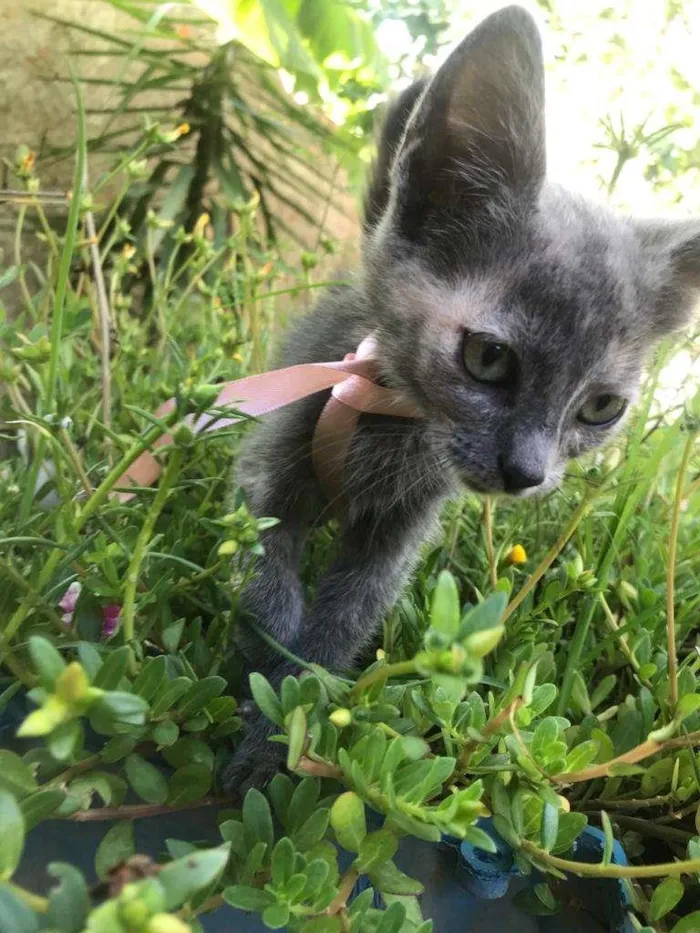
(516,315)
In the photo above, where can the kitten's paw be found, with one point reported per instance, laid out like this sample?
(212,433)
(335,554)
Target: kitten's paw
(255,762)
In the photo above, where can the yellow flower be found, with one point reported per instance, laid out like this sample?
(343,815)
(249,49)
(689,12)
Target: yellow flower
(341,718)
(517,554)
(201,225)
(168,923)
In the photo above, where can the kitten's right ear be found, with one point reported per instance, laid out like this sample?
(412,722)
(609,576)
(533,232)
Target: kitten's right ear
(478,132)
(671,251)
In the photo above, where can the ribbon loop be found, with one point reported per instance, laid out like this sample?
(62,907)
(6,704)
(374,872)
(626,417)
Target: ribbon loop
(353,391)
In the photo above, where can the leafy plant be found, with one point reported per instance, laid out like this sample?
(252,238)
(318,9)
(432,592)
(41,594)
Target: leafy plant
(541,669)
(247,137)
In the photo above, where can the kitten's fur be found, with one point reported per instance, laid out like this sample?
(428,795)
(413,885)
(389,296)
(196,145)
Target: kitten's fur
(462,232)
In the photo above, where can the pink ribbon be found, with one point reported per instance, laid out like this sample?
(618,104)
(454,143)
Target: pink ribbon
(354,391)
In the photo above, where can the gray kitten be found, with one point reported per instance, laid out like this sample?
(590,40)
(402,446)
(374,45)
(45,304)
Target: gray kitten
(516,315)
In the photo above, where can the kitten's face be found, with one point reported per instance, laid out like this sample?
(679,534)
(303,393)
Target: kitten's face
(515,314)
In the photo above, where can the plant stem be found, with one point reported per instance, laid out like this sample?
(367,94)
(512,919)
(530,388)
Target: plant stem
(488,536)
(624,644)
(91,506)
(38,904)
(647,827)
(579,514)
(75,460)
(141,810)
(380,674)
(105,319)
(318,768)
(591,870)
(671,572)
(638,753)
(170,475)
(26,297)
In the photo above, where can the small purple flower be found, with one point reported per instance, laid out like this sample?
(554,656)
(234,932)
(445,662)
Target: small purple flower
(68,602)
(110,619)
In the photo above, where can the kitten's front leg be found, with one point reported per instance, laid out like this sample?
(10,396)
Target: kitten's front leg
(378,554)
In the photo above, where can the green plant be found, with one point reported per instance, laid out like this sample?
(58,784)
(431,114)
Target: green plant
(215,65)
(541,668)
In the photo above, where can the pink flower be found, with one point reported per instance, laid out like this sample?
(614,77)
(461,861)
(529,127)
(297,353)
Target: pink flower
(68,602)
(110,619)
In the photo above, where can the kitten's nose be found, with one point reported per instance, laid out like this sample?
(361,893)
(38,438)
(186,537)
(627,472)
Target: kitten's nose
(518,475)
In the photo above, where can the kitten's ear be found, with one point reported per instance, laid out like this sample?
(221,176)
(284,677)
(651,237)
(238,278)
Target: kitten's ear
(478,131)
(671,253)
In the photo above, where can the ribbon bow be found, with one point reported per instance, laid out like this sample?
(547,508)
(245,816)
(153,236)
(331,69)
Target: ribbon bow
(354,391)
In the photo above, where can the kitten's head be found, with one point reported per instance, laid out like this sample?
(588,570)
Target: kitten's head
(518,315)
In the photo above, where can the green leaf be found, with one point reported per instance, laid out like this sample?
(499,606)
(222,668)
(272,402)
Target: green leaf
(313,830)
(243,897)
(168,695)
(90,658)
(276,916)
(545,735)
(582,755)
(146,780)
(665,897)
(290,694)
(689,924)
(151,678)
(603,690)
(40,806)
(392,919)
(116,847)
(376,848)
(222,708)
(9,276)
(445,612)
(15,775)
(477,837)
(125,708)
(571,825)
(484,616)
(69,900)
(542,698)
(165,734)
(266,698)
(348,820)
(233,832)
(47,661)
(389,879)
(324,924)
(687,705)
(189,750)
(113,670)
(12,823)
(65,740)
(609,838)
(185,877)
(15,916)
(257,819)
(117,748)
(171,635)
(550,826)
(282,862)
(297,737)
(189,784)
(200,694)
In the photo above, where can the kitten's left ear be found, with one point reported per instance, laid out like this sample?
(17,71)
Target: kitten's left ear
(671,254)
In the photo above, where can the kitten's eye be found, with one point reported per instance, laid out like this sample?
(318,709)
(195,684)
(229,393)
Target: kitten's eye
(602,410)
(488,361)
